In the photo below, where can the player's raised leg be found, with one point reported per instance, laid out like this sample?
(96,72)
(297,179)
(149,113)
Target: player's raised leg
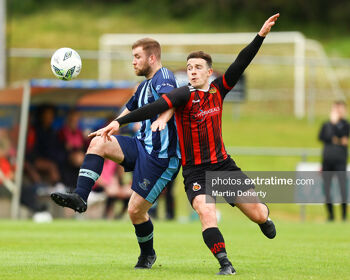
(90,171)
(211,233)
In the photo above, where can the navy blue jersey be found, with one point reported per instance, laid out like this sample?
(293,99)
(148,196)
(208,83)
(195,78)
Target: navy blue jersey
(161,144)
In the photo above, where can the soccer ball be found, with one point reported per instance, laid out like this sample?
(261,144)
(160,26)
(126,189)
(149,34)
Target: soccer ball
(65,64)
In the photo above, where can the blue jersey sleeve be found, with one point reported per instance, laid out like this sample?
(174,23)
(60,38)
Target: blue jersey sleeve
(165,81)
(133,101)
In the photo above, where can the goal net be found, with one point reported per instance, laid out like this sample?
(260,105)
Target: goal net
(290,74)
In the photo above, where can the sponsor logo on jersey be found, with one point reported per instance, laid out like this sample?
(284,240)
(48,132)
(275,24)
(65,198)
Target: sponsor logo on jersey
(196,101)
(196,187)
(163,85)
(211,111)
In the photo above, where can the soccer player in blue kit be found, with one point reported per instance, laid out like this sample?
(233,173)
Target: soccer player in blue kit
(152,156)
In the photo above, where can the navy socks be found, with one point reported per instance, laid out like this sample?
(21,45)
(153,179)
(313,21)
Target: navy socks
(90,171)
(144,234)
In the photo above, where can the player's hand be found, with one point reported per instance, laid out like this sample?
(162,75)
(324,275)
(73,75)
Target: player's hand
(158,124)
(107,131)
(162,120)
(265,29)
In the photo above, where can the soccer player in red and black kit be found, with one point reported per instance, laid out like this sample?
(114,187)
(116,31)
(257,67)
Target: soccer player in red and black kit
(198,111)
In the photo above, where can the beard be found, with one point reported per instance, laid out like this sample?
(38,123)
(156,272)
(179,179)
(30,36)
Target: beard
(144,71)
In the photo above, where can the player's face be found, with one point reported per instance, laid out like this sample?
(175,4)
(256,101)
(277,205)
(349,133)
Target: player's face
(341,110)
(198,73)
(140,62)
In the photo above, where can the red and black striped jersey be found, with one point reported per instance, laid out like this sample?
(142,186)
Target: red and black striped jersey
(199,125)
(198,112)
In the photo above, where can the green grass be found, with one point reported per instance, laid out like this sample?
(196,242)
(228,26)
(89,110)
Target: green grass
(108,250)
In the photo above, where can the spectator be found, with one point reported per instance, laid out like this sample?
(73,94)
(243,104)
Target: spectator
(28,197)
(48,154)
(335,136)
(73,141)
(5,147)
(111,183)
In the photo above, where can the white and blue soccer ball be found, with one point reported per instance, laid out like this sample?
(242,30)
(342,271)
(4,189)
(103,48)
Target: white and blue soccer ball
(66,64)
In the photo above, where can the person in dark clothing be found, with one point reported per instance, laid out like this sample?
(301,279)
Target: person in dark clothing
(47,155)
(335,136)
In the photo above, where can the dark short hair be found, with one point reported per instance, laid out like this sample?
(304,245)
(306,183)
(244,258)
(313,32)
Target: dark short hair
(340,102)
(149,45)
(203,55)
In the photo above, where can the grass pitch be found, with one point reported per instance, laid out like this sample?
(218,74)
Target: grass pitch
(108,250)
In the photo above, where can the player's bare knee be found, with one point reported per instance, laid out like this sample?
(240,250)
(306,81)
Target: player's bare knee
(206,215)
(96,146)
(204,212)
(132,211)
(136,214)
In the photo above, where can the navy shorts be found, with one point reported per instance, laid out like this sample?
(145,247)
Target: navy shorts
(150,174)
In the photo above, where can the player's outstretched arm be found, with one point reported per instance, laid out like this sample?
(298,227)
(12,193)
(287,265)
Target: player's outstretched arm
(246,55)
(175,98)
(265,29)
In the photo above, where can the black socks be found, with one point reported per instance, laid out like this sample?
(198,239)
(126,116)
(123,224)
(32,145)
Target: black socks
(144,234)
(216,244)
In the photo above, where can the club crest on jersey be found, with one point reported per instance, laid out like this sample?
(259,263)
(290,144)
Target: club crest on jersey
(196,187)
(212,90)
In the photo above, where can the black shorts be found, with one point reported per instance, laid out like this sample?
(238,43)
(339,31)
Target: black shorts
(194,176)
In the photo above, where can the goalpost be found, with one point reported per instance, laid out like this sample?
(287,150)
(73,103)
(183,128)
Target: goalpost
(175,48)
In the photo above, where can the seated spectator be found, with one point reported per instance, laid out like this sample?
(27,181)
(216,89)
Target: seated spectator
(111,184)
(71,134)
(47,155)
(5,165)
(28,196)
(73,141)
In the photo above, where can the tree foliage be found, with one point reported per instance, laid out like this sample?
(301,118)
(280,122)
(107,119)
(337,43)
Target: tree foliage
(321,12)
